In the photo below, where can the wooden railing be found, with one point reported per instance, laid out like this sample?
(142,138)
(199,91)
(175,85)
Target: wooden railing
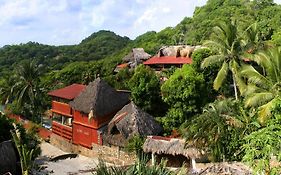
(62,130)
(61,108)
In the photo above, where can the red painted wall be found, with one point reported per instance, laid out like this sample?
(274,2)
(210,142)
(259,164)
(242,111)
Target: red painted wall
(95,122)
(61,108)
(85,131)
(62,130)
(85,136)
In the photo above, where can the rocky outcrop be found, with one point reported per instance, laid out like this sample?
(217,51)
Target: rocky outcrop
(177,51)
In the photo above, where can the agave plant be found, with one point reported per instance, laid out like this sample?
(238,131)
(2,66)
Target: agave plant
(26,156)
(139,168)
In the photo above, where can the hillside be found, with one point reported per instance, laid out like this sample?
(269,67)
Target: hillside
(95,47)
(109,48)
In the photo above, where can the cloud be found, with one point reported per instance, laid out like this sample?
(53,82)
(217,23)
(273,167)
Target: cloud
(60,22)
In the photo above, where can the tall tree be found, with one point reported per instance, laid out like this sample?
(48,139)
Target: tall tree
(145,89)
(28,93)
(7,86)
(264,85)
(252,39)
(185,93)
(220,128)
(226,43)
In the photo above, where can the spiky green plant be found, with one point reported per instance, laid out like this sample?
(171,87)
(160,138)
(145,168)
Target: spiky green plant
(26,155)
(220,128)
(140,167)
(263,82)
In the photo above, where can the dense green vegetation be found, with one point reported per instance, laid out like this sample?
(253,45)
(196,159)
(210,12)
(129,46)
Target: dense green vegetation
(140,167)
(226,101)
(26,141)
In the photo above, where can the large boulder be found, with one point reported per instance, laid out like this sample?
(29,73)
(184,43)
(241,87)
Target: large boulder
(8,158)
(186,51)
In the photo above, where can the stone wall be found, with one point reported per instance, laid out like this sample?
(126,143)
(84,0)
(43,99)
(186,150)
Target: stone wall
(109,154)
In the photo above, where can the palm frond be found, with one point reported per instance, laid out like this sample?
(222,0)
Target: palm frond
(252,88)
(258,99)
(217,45)
(221,76)
(255,77)
(265,111)
(211,60)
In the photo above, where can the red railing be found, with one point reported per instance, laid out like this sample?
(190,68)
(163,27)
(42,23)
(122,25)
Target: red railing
(61,108)
(62,130)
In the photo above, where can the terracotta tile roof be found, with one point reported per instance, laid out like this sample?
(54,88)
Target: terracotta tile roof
(122,65)
(168,60)
(68,92)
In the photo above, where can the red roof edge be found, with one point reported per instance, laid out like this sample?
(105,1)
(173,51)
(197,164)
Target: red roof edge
(168,60)
(68,92)
(124,65)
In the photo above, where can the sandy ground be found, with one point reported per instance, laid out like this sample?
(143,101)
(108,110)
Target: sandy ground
(69,166)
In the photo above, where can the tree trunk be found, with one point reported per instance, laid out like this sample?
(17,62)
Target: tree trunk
(235,88)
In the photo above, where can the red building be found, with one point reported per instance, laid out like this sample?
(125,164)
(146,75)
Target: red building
(164,62)
(62,113)
(81,112)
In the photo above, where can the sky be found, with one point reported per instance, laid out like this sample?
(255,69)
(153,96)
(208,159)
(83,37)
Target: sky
(65,22)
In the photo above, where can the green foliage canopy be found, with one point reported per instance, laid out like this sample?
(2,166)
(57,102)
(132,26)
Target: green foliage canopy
(145,89)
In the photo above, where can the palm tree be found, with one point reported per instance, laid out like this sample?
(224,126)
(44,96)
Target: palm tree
(264,86)
(7,87)
(27,91)
(252,39)
(226,44)
(222,123)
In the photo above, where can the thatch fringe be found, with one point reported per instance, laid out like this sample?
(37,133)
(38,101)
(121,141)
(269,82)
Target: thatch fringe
(171,146)
(136,55)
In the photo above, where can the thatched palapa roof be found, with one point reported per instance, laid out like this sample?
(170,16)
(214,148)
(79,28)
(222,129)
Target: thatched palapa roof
(100,99)
(130,121)
(171,146)
(137,54)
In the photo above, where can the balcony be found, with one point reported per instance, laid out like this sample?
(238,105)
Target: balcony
(61,108)
(62,130)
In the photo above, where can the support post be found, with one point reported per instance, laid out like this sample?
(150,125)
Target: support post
(153,159)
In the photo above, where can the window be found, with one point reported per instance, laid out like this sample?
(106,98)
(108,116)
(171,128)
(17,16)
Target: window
(64,120)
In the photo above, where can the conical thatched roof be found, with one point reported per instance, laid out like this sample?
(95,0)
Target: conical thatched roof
(137,54)
(100,99)
(172,146)
(8,158)
(130,121)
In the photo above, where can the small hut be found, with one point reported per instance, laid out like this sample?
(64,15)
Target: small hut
(93,109)
(174,150)
(136,55)
(130,121)
(134,58)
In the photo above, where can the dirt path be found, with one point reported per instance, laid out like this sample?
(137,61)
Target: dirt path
(70,166)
